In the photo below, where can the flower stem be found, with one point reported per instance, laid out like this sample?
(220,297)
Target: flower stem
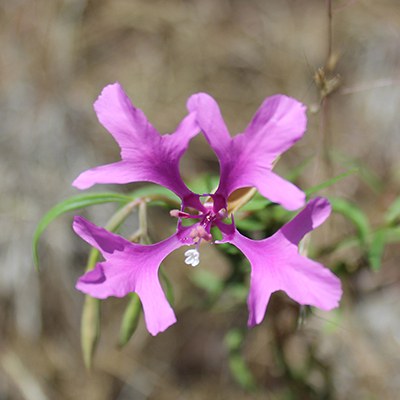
(91,312)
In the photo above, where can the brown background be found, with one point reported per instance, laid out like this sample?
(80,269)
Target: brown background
(55,58)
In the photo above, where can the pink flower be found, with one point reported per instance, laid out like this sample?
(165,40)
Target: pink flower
(245,160)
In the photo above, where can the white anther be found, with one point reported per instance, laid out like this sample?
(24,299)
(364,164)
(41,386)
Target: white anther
(192,257)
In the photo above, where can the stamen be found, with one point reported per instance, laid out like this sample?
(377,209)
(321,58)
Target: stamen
(199,233)
(192,257)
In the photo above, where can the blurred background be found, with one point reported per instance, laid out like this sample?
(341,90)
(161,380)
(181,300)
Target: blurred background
(55,58)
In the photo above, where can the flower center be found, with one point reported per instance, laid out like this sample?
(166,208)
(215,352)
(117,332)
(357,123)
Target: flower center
(201,230)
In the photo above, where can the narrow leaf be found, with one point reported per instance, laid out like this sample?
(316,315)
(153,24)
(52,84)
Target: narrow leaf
(366,174)
(393,212)
(241,372)
(156,193)
(71,204)
(392,234)
(90,324)
(352,213)
(90,329)
(330,182)
(377,247)
(130,319)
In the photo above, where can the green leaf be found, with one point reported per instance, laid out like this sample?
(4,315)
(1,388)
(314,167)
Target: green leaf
(90,329)
(393,212)
(377,247)
(156,193)
(71,204)
(241,372)
(330,182)
(352,213)
(130,319)
(392,234)
(366,174)
(234,339)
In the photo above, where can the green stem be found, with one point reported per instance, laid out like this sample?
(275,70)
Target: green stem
(90,321)
(133,310)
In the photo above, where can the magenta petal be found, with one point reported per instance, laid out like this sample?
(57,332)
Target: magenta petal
(129,267)
(211,123)
(313,215)
(146,155)
(311,284)
(119,172)
(104,241)
(277,265)
(278,124)
(247,159)
(305,281)
(273,187)
(113,278)
(126,123)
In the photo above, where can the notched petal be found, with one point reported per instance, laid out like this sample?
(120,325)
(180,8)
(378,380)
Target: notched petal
(277,265)
(132,268)
(146,155)
(99,238)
